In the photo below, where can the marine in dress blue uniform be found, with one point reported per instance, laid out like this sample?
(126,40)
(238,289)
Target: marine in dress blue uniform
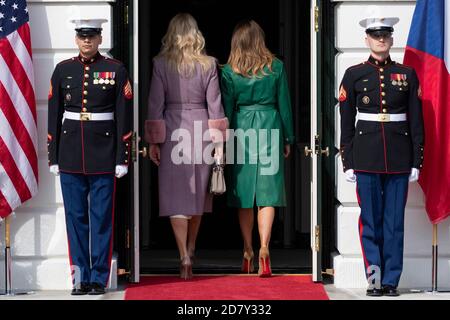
(89,141)
(382,151)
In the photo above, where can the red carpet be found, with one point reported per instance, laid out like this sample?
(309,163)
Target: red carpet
(232,287)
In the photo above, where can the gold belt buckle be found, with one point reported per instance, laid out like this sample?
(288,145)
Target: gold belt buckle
(382,117)
(85,116)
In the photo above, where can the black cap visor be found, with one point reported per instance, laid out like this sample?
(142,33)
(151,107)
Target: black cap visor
(88,32)
(380,31)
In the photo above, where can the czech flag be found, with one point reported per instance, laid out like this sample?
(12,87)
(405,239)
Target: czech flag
(428,52)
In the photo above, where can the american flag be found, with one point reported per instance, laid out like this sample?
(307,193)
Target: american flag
(18,129)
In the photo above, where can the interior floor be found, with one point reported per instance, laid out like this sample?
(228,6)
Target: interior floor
(224,261)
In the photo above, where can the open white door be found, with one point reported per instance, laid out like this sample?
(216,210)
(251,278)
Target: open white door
(135,273)
(315,148)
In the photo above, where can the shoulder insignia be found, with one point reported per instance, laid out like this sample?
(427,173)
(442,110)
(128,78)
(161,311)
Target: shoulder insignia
(50,91)
(342,94)
(127,90)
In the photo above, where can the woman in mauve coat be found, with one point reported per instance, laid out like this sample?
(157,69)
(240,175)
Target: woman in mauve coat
(256,100)
(186,125)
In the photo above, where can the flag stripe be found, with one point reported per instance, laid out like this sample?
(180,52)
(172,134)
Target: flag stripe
(19,101)
(17,153)
(24,32)
(15,67)
(8,191)
(22,55)
(5,209)
(10,167)
(19,129)
(428,20)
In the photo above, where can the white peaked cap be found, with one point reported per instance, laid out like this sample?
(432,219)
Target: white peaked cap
(88,23)
(378,22)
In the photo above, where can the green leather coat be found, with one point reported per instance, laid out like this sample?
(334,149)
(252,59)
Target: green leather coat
(257,173)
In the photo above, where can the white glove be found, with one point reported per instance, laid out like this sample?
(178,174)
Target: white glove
(121,170)
(414,176)
(350,175)
(54,169)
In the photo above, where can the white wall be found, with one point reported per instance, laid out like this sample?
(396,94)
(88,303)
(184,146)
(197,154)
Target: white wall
(348,263)
(38,233)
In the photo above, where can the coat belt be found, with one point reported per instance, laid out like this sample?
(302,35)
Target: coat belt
(382,117)
(88,116)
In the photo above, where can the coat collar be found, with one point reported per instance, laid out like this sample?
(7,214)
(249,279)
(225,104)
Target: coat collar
(95,58)
(376,62)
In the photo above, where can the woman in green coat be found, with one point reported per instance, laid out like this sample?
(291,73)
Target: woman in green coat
(257,102)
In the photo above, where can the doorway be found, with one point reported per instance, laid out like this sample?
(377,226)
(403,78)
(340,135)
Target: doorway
(219,246)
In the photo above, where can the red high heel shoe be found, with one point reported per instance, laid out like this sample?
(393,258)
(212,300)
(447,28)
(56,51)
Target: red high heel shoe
(247,263)
(264,263)
(186,268)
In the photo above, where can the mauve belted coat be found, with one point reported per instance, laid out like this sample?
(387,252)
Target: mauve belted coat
(179,102)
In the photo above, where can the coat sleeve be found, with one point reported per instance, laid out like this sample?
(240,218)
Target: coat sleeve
(124,117)
(415,119)
(217,122)
(155,126)
(347,110)
(55,114)
(284,107)
(228,99)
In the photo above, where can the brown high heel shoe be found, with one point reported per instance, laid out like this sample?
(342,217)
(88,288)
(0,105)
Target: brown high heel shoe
(247,262)
(264,263)
(186,268)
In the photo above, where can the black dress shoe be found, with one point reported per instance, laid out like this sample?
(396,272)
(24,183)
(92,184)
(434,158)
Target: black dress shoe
(374,292)
(390,291)
(96,289)
(81,289)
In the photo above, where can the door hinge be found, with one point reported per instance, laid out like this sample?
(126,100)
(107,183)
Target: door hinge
(316,18)
(317,238)
(126,14)
(128,239)
(329,272)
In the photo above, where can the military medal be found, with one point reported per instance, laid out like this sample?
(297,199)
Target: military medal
(96,76)
(366,100)
(96,81)
(107,81)
(112,82)
(398,79)
(101,81)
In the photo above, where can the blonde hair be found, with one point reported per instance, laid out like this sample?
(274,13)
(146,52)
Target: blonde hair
(183,45)
(249,54)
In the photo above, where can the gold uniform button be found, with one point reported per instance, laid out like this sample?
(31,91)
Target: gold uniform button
(383,85)
(85,93)
(383,94)
(384,110)
(86,84)
(381,69)
(84,109)
(126,161)
(87,68)
(383,102)
(86,75)
(84,100)
(381,77)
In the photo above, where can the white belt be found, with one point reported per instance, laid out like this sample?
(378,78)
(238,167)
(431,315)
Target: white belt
(382,117)
(88,116)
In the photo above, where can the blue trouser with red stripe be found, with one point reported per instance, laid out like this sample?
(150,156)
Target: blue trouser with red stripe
(89,225)
(382,198)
